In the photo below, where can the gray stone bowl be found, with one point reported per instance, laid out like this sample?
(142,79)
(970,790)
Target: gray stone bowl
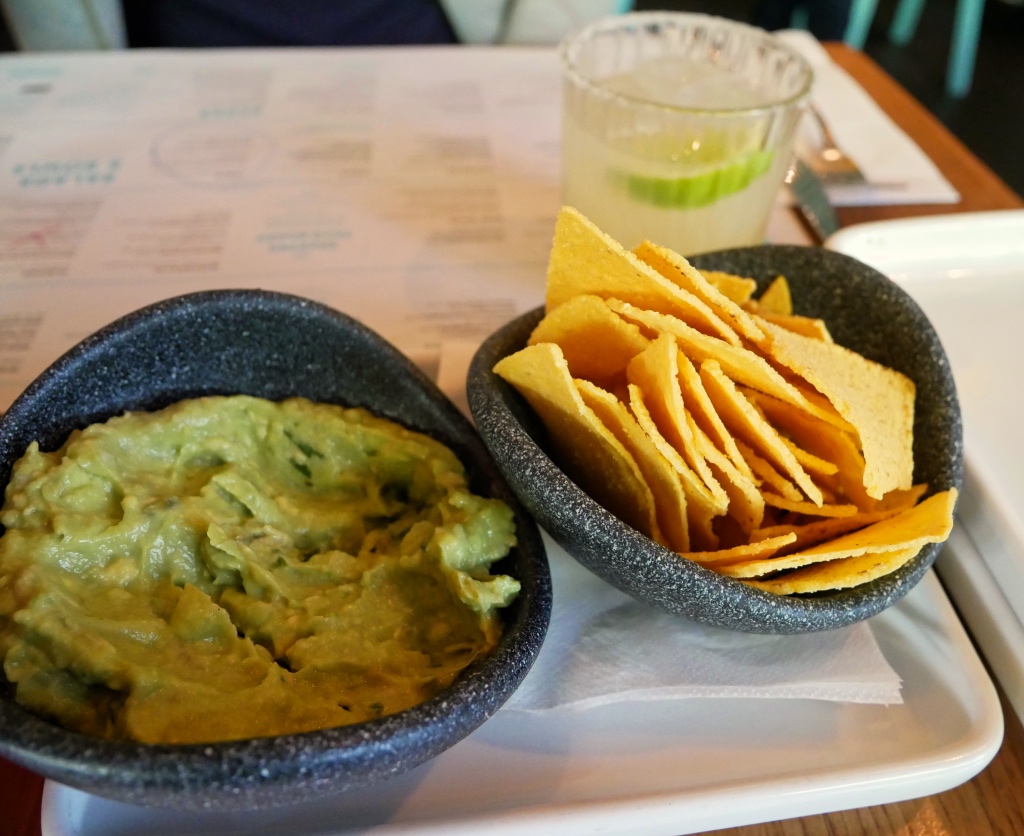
(274,346)
(864,311)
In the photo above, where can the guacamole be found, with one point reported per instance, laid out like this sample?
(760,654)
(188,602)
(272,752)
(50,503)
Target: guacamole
(230,567)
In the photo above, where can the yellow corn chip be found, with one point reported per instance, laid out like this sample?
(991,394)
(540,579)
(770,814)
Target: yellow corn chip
(827,411)
(661,478)
(808,326)
(928,522)
(746,505)
(837,574)
(811,463)
(678,270)
(584,447)
(824,440)
(812,533)
(900,500)
(768,475)
(656,372)
(762,550)
(705,416)
(746,423)
(776,298)
(740,364)
(586,261)
(597,344)
(877,401)
(701,507)
(726,428)
(823,510)
(737,288)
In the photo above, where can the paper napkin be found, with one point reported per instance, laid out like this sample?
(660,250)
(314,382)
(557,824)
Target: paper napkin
(603,647)
(898,171)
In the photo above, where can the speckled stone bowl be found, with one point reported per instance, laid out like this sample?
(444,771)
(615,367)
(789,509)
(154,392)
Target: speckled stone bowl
(274,346)
(864,311)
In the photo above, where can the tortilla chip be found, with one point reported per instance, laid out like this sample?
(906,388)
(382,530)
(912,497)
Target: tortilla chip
(728,429)
(876,400)
(597,344)
(928,522)
(656,372)
(737,288)
(746,505)
(837,574)
(820,530)
(826,410)
(900,500)
(812,464)
(768,475)
(762,550)
(586,261)
(825,441)
(678,270)
(584,447)
(746,422)
(776,298)
(740,364)
(808,326)
(706,417)
(661,478)
(701,507)
(822,510)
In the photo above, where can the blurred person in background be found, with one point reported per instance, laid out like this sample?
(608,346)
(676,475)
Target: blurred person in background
(228,23)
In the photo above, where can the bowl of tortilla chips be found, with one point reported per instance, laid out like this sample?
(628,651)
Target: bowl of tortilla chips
(765,439)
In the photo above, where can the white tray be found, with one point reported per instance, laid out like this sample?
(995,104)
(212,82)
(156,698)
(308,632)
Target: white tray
(967,273)
(981,602)
(655,769)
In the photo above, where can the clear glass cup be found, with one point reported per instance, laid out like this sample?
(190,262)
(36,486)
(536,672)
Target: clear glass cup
(678,128)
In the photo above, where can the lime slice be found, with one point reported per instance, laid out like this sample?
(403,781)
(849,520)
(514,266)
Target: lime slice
(699,189)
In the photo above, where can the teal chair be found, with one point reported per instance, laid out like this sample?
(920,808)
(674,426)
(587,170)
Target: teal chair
(966,30)
(862,12)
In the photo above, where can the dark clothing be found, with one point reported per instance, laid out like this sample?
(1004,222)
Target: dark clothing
(229,23)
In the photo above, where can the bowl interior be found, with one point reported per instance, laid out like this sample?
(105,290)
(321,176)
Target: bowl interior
(274,346)
(865,312)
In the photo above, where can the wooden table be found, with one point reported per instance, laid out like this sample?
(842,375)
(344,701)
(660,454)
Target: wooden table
(992,802)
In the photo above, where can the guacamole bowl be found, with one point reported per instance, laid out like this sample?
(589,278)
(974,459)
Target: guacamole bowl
(865,312)
(273,346)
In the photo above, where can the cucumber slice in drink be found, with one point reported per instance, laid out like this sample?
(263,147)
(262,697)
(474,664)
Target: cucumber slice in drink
(698,189)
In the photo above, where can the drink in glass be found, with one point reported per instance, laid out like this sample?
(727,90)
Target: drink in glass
(678,128)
